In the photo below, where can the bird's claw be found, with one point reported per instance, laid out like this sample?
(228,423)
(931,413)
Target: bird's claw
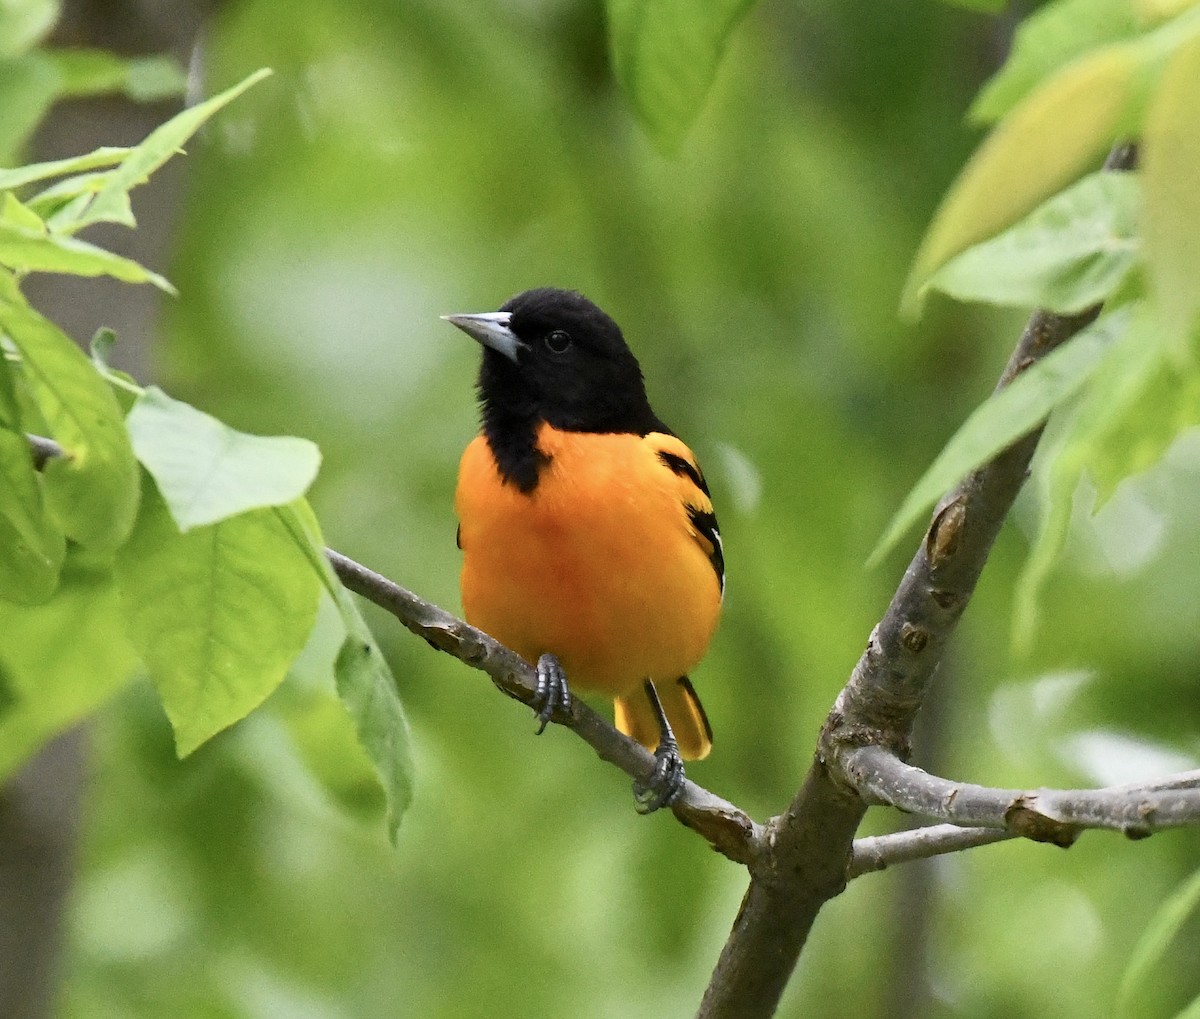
(665,784)
(552,693)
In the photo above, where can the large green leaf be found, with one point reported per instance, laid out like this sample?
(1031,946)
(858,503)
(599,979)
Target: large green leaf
(364,681)
(666,54)
(1049,39)
(92,491)
(1171,157)
(160,145)
(217,614)
(1008,414)
(1068,254)
(206,470)
(1042,146)
(61,660)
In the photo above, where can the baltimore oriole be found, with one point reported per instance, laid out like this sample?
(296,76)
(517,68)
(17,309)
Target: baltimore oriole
(589,540)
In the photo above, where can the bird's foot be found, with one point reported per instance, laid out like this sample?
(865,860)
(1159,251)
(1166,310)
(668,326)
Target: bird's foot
(666,783)
(552,692)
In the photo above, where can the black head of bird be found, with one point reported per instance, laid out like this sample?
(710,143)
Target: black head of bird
(551,355)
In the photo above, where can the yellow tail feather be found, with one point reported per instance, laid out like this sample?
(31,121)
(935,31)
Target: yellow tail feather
(634,716)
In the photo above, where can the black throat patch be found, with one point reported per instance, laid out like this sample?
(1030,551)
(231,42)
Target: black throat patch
(514,447)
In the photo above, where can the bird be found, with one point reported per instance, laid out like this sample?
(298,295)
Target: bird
(589,541)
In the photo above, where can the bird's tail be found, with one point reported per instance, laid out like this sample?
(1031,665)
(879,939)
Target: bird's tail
(635,717)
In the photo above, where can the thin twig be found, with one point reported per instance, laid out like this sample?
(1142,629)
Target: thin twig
(878,852)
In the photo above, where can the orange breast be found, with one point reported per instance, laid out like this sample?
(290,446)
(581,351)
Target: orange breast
(599,565)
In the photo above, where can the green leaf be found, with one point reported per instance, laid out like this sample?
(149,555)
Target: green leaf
(61,660)
(159,146)
(217,614)
(92,491)
(1167,405)
(22,175)
(666,54)
(326,740)
(1163,929)
(1049,39)
(206,470)
(1171,158)
(96,72)
(1004,417)
(1043,145)
(987,6)
(1068,254)
(1111,403)
(25,23)
(364,681)
(27,246)
(32,548)
(28,87)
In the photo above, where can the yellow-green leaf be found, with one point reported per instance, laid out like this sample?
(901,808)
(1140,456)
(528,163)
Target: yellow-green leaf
(1048,141)
(1171,176)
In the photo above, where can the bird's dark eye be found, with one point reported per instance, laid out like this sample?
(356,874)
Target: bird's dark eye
(557,342)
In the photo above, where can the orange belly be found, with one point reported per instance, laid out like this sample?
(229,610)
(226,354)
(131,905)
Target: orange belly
(599,565)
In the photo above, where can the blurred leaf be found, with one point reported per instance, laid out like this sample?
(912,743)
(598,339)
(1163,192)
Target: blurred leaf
(368,690)
(1160,10)
(1169,404)
(1112,403)
(666,54)
(328,744)
(25,23)
(217,614)
(160,145)
(32,548)
(62,659)
(987,6)
(1171,157)
(364,682)
(28,88)
(1042,146)
(1047,40)
(1152,946)
(207,471)
(102,157)
(95,72)
(93,490)
(26,245)
(1068,254)
(1008,414)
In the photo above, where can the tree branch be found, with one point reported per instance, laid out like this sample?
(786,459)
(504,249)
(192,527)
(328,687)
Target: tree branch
(1044,815)
(726,827)
(813,840)
(878,852)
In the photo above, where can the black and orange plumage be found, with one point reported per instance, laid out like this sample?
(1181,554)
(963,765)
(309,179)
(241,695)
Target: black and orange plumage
(589,541)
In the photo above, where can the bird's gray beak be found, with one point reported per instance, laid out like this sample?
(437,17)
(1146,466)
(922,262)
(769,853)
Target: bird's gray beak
(491,329)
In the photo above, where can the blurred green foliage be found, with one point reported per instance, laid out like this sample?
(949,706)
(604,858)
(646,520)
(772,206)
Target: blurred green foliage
(410,160)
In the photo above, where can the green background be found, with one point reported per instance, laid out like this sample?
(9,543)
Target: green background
(408,160)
